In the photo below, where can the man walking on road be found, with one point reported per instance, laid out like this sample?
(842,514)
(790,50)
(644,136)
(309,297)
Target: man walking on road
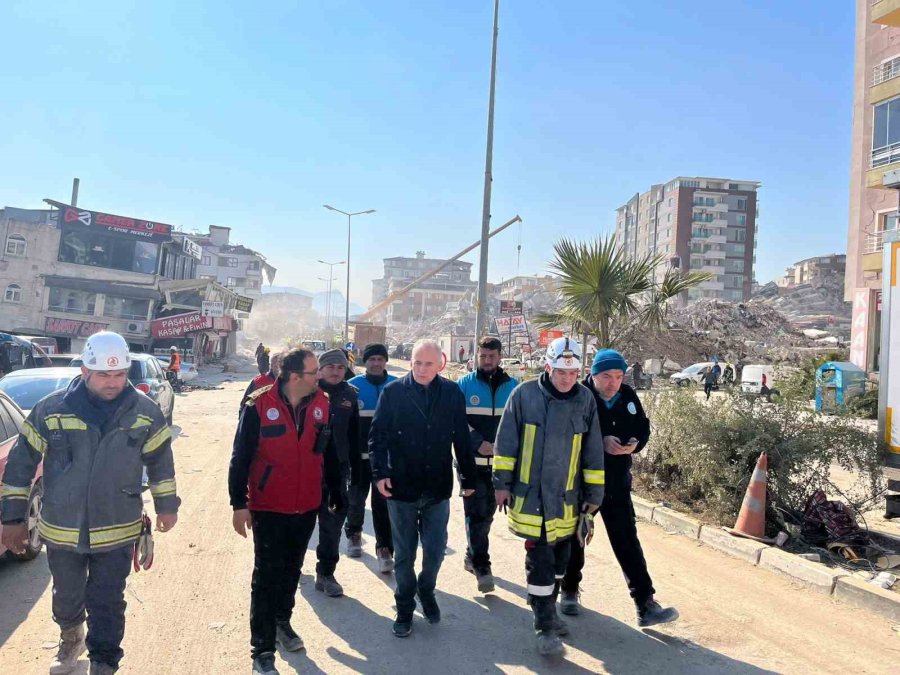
(711,378)
(370,386)
(548,474)
(94,438)
(263,380)
(486,391)
(417,419)
(275,484)
(344,440)
(626,430)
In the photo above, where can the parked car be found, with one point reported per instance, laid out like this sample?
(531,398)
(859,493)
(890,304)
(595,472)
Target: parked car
(514,367)
(48,344)
(17,353)
(692,374)
(148,377)
(27,387)
(11,419)
(187,373)
(62,359)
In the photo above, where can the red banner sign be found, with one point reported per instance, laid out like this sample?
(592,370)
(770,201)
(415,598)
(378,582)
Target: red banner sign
(178,325)
(72,327)
(545,337)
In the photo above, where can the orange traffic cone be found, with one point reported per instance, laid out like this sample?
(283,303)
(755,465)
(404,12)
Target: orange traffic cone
(751,521)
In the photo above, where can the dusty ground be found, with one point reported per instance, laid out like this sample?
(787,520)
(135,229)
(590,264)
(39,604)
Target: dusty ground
(189,613)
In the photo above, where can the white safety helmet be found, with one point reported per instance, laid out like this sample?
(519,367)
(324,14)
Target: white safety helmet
(106,351)
(564,354)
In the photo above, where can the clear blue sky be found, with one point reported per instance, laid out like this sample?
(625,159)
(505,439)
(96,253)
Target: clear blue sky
(253,115)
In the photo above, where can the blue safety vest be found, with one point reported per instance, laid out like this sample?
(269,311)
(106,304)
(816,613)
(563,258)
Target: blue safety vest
(368,398)
(484,408)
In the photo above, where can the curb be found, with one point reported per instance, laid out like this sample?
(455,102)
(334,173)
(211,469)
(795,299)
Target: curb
(867,596)
(840,585)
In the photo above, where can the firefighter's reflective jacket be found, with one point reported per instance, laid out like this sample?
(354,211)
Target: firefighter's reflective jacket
(92,468)
(549,454)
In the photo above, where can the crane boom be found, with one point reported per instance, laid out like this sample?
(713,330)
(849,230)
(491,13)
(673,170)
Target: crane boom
(377,307)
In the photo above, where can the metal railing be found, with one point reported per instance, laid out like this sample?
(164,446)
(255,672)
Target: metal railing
(874,243)
(886,155)
(886,71)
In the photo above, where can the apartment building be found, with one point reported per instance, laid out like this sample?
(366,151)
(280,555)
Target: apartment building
(875,159)
(812,269)
(430,299)
(517,288)
(696,224)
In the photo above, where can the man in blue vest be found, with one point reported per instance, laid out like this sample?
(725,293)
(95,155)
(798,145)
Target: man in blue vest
(485,390)
(370,386)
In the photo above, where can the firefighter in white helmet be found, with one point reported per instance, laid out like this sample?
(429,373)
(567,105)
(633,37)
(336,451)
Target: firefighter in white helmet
(548,476)
(94,438)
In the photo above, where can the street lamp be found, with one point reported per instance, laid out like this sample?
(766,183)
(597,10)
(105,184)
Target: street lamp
(331,278)
(327,301)
(347,309)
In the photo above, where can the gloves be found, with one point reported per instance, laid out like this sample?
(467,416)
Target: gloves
(142,555)
(585,531)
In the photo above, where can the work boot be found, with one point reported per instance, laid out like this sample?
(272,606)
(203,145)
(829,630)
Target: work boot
(402,625)
(549,644)
(354,545)
(569,603)
(264,664)
(430,609)
(98,668)
(288,637)
(329,585)
(385,560)
(560,627)
(468,565)
(485,581)
(651,613)
(71,646)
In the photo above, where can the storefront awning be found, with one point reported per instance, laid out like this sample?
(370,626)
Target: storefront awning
(106,287)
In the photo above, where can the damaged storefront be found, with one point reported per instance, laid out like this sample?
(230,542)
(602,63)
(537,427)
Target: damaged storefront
(185,320)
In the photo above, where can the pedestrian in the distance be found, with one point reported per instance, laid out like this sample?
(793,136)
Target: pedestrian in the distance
(370,385)
(417,419)
(626,430)
(548,475)
(711,378)
(262,361)
(280,460)
(94,438)
(263,380)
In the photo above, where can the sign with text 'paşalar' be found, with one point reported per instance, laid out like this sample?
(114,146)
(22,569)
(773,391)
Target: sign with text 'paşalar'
(178,325)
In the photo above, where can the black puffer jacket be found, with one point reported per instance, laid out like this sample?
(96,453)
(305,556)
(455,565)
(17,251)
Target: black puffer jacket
(626,419)
(344,407)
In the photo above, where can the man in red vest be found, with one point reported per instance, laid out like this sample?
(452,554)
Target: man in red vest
(275,484)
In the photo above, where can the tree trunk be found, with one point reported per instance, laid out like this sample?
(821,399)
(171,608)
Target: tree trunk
(584,341)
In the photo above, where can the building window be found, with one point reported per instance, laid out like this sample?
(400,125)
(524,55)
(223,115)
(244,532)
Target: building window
(207,277)
(133,309)
(207,260)
(71,301)
(886,132)
(228,262)
(253,265)
(112,252)
(231,282)
(13,293)
(742,204)
(15,245)
(734,186)
(888,221)
(253,284)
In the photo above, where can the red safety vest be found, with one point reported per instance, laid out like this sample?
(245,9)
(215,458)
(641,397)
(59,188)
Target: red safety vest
(263,380)
(286,472)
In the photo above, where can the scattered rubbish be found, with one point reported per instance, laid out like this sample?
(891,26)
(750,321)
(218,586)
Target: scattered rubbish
(883,580)
(814,557)
(781,539)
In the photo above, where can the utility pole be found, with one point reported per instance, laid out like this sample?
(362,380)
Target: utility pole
(75,183)
(481,308)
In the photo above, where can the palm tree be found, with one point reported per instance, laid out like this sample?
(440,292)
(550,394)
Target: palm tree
(607,295)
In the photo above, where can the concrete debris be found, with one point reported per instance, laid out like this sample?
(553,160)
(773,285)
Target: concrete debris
(817,305)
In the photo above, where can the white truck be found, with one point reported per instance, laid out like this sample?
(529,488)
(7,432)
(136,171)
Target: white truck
(889,375)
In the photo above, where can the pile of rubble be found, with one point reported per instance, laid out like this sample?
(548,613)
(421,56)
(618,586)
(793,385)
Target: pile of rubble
(819,305)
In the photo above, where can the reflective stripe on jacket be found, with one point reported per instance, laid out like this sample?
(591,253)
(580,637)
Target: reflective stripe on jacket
(549,455)
(484,407)
(369,394)
(92,475)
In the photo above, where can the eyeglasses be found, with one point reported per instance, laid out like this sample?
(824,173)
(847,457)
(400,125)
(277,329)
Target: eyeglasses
(301,373)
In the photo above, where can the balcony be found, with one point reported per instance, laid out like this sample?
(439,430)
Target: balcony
(872,256)
(719,208)
(886,71)
(886,12)
(882,160)
(716,239)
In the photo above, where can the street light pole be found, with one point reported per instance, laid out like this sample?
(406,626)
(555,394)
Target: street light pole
(488,179)
(347,299)
(328,302)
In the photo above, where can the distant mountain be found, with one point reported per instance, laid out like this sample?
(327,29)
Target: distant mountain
(286,289)
(319,299)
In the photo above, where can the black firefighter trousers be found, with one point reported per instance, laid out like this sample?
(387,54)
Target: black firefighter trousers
(545,565)
(479,508)
(356,511)
(279,542)
(618,518)
(92,585)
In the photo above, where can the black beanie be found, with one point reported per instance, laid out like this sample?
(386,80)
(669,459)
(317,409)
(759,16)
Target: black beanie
(374,349)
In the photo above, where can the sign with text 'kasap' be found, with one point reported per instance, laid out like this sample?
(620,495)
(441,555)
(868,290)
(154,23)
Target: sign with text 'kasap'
(178,325)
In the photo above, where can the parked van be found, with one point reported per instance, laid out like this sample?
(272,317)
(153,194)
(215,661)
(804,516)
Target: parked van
(17,353)
(755,377)
(48,344)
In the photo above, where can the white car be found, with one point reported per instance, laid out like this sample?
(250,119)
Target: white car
(27,387)
(691,374)
(188,370)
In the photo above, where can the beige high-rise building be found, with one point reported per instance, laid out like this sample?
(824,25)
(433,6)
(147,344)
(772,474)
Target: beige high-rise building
(875,156)
(698,225)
